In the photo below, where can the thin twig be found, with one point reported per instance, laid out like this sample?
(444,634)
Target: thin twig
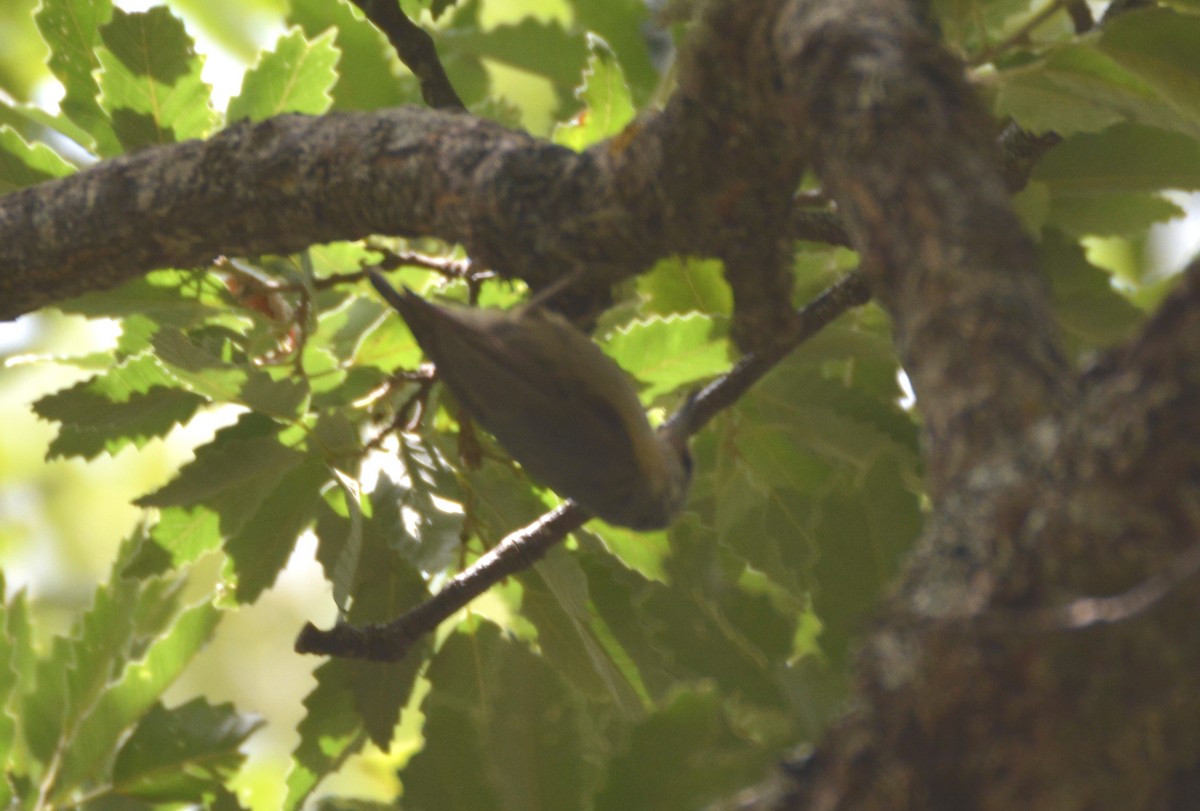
(389,642)
(416,50)
(850,291)
(1022,150)
(456,269)
(1020,36)
(1084,612)
(518,551)
(818,226)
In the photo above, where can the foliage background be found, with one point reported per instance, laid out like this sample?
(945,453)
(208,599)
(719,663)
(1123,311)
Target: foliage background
(655,671)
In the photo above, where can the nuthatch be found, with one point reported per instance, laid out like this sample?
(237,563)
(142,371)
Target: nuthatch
(560,406)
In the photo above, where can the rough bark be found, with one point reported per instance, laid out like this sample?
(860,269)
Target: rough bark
(713,173)
(980,687)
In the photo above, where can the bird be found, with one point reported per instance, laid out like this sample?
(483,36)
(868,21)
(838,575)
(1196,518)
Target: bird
(561,407)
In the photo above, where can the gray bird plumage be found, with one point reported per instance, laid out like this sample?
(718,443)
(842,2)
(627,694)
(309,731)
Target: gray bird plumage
(560,406)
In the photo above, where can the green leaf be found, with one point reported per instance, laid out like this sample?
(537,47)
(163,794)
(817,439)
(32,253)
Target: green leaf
(43,708)
(186,533)
(135,691)
(682,756)
(1161,47)
(282,397)
(555,600)
(23,164)
(864,528)
(498,500)
(860,339)
(502,731)
(973,25)
(1076,88)
(233,474)
(795,413)
(148,558)
(358,383)
(34,124)
(178,755)
(713,627)
(366,56)
(71,30)
(1116,214)
(665,354)
(773,528)
(622,24)
(345,569)
(132,403)
(1126,158)
(64,713)
(389,345)
(643,552)
(16,655)
(66,685)
(534,46)
(260,547)
(226,382)
(607,104)
(112,630)
(386,590)
(468,75)
(382,555)
(1087,306)
(702,626)
(336,438)
(18,643)
(330,732)
(150,80)
(344,329)
(432,537)
(355,699)
(178,298)
(294,78)
(618,598)
(232,26)
(682,285)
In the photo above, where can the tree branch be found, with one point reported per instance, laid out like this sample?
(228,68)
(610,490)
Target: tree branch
(273,187)
(416,50)
(389,642)
(901,145)
(699,178)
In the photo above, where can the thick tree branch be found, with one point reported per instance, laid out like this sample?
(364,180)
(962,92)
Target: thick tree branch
(1046,486)
(738,204)
(899,140)
(273,187)
(1085,510)
(712,174)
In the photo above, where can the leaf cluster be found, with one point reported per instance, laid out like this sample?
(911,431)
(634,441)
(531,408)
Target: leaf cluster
(660,670)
